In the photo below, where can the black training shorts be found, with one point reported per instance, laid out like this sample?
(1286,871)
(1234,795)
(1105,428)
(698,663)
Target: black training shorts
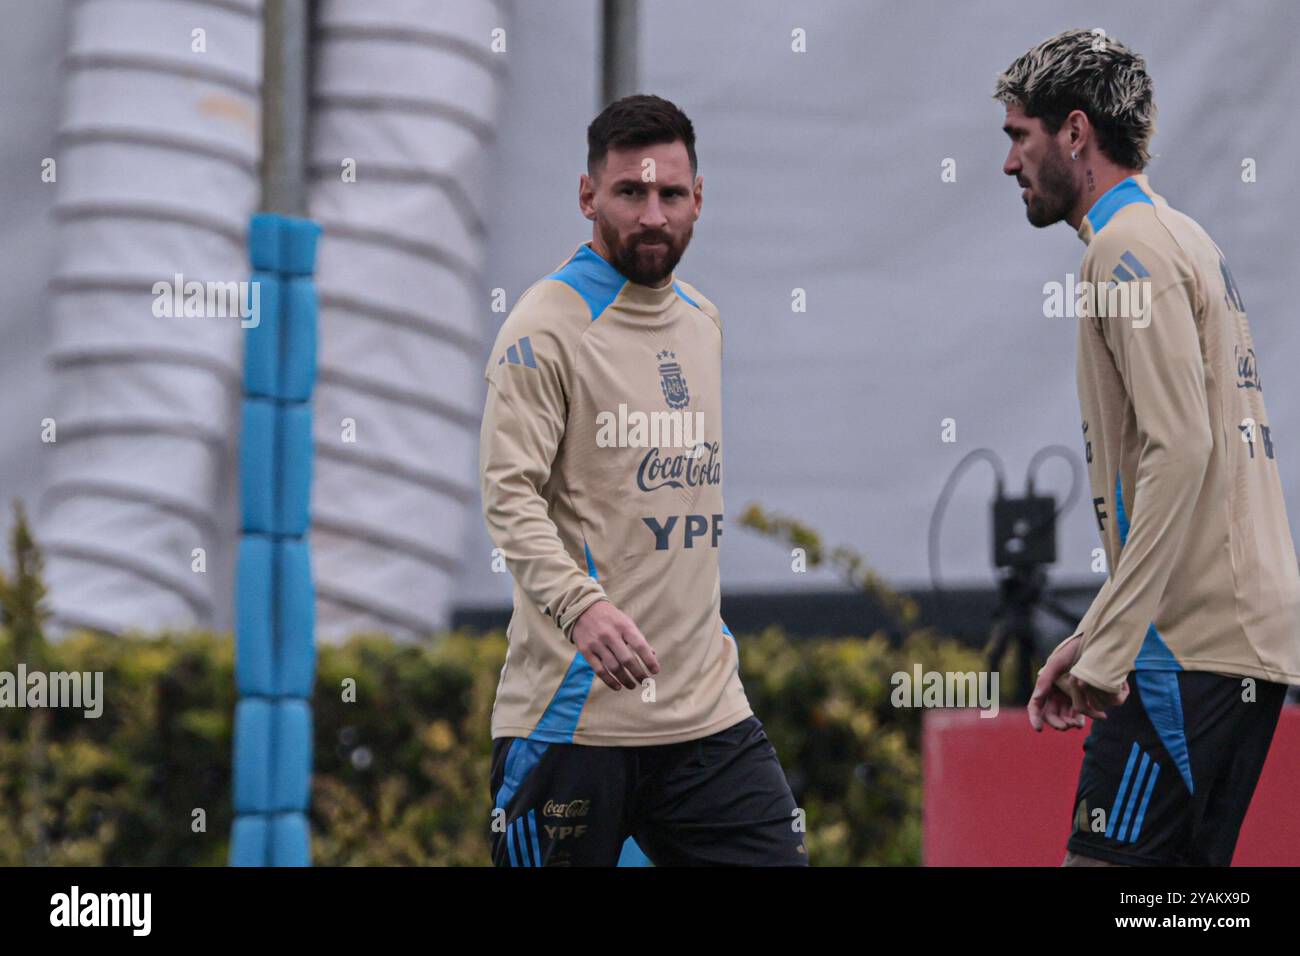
(720,800)
(1168,776)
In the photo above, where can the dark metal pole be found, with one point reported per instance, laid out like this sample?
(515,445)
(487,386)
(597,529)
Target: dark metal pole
(285,82)
(619,65)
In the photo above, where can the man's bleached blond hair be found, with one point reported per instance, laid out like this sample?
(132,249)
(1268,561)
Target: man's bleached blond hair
(1088,71)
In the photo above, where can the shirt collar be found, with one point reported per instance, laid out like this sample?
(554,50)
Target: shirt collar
(632,292)
(1134,189)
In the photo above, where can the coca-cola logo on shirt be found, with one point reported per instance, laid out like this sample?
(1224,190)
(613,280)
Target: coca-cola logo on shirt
(574,808)
(688,468)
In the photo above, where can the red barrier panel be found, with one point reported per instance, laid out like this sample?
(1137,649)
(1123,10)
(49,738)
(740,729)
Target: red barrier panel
(998,794)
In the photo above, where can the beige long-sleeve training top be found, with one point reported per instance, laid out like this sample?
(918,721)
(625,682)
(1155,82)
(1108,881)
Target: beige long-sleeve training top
(601,477)
(1181,457)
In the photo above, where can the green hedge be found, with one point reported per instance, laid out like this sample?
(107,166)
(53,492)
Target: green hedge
(400,776)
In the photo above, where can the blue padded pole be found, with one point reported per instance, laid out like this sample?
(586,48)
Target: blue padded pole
(275,646)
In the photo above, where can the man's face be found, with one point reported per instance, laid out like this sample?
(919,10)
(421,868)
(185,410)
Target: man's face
(1038,161)
(644,202)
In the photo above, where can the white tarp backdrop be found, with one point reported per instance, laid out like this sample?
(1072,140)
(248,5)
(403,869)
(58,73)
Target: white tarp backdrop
(157,150)
(822,173)
(407,91)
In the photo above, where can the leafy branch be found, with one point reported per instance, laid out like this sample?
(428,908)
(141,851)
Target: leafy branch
(848,562)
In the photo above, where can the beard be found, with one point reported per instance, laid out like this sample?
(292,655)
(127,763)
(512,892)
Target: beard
(644,266)
(1056,192)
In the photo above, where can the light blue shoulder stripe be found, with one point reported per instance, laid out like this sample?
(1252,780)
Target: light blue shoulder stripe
(678,289)
(598,282)
(1123,193)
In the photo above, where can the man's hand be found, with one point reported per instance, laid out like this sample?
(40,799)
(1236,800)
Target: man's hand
(1062,700)
(612,645)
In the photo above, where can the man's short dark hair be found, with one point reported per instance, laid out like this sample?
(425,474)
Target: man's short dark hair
(638,120)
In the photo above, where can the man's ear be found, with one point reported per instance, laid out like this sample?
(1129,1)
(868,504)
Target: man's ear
(1080,125)
(587,196)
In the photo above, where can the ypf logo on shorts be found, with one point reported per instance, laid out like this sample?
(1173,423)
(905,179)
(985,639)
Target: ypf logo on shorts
(574,808)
